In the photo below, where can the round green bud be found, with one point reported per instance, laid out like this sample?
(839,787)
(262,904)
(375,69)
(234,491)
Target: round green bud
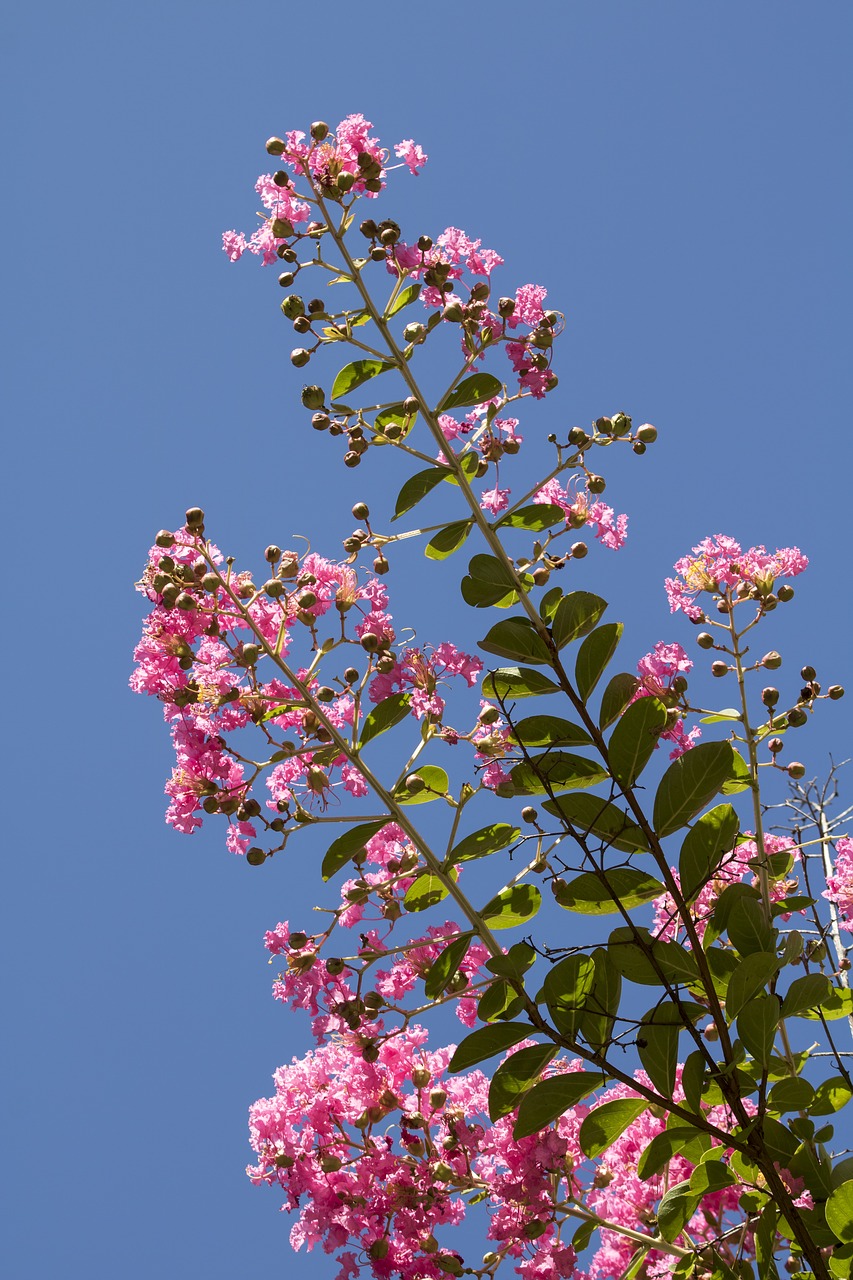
(370,642)
(596,484)
(335,965)
(346,182)
(772,660)
(275,146)
(281,228)
(541,575)
(185,601)
(255,856)
(719,669)
(414,333)
(164,539)
(361,511)
(319,130)
(313,397)
(250,654)
(785,593)
(293,306)
(621,424)
(286,279)
(808,673)
(796,770)
(414,784)
(529,814)
(307,599)
(647,434)
(453,312)
(274,588)
(775,745)
(299,357)
(705,640)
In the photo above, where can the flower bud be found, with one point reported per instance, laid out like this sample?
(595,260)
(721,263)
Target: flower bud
(578,437)
(421,1077)
(379,1248)
(361,511)
(808,673)
(796,717)
(368,229)
(351,675)
(352,458)
(770,696)
(638,447)
(273,588)
(647,434)
(449,1263)
(414,333)
(453,312)
(293,306)
(370,642)
(719,669)
(378,253)
(313,397)
(250,654)
(370,1053)
(281,179)
(286,279)
(254,856)
(414,783)
(705,640)
(164,539)
(529,814)
(785,593)
(506,306)
(775,745)
(541,575)
(772,660)
(796,769)
(319,130)
(184,601)
(274,146)
(330,1164)
(835,691)
(381,565)
(579,550)
(621,424)
(424,243)
(299,357)
(411,405)
(194,517)
(281,228)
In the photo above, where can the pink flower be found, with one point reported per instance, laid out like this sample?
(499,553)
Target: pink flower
(412,154)
(495,500)
(719,564)
(234,244)
(839,886)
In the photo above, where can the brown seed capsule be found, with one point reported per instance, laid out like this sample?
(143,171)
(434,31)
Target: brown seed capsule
(647,434)
(835,691)
(529,814)
(705,640)
(381,565)
(299,356)
(506,306)
(785,593)
(719,669)
(577,436)
(275,146)
(579,550)
(775,745)
(770,696)
(424,243)
(370,641)
(194,517)
(414,783)
(808,673)
(796,717)
(796,769)
(282,228)
(638,447)
(772,660)
(351,458)
(254,856)
(164,538)
(334,965)
(274,588)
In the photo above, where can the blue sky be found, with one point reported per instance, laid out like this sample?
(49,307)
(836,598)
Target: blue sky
(677,174)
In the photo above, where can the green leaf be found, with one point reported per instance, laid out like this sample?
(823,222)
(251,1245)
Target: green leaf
(806,993)
(555,771)
(747,928)
(549,731)
(403,299)
(508,683)
(549,602)
(512,907)
(514,1077)
(740,777)
(657,1047)
(499,1001)
(606,1123)
(590,815)
(489,582)
(756,1025)
(393,414)
(830,1096)
(749,980)
(597,895)
(791,1094)
(345,848)
(552,1098)
(711,1175)
(709,838)
(594,655)
(385,715)
(617,694)
(727,715)
(417,487)
(634,963)
(353,375)
(515,963)
(485,1042)
(602,1006)
(536,518)
(446,965)
(475,389)
(517,638)
(479,844)
(447,540)
(436,784)
(664,1146)
(576,615)
(427,891)
(839,1212)
(566,988)
(635,738)
(675,1208)
(689,783)
(692,1079)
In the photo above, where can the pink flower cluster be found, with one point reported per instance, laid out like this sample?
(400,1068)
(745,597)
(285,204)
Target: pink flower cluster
(418,673)
(658,670)
(734,867)
(839,886)
(610,529)
(324,161)
(719,565)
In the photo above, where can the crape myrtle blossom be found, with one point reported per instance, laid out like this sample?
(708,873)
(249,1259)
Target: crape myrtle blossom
(839,886)
(658,671)
(418,672)
(736,866)
(719,565)
(610,529)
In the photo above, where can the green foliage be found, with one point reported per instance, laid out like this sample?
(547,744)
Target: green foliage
(555,771)
(518,639)
(512,907)
(592,816)
(553,1097)
(508,683)
(353,375)
(635,738)
(475,389)
(349,846)
(605,1123)
(703,847)
(566,988)
(485,1042)
(385,715)
(435,786)
(617,694)
(549,731)
(594,656)
(479,844)
(536,518)
(690,783)
(447,540)
(514,1077)
(575,616)
(490,582)
(446,965)
(600,893)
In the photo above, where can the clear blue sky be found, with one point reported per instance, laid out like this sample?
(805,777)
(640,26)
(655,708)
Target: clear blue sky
(677,174)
